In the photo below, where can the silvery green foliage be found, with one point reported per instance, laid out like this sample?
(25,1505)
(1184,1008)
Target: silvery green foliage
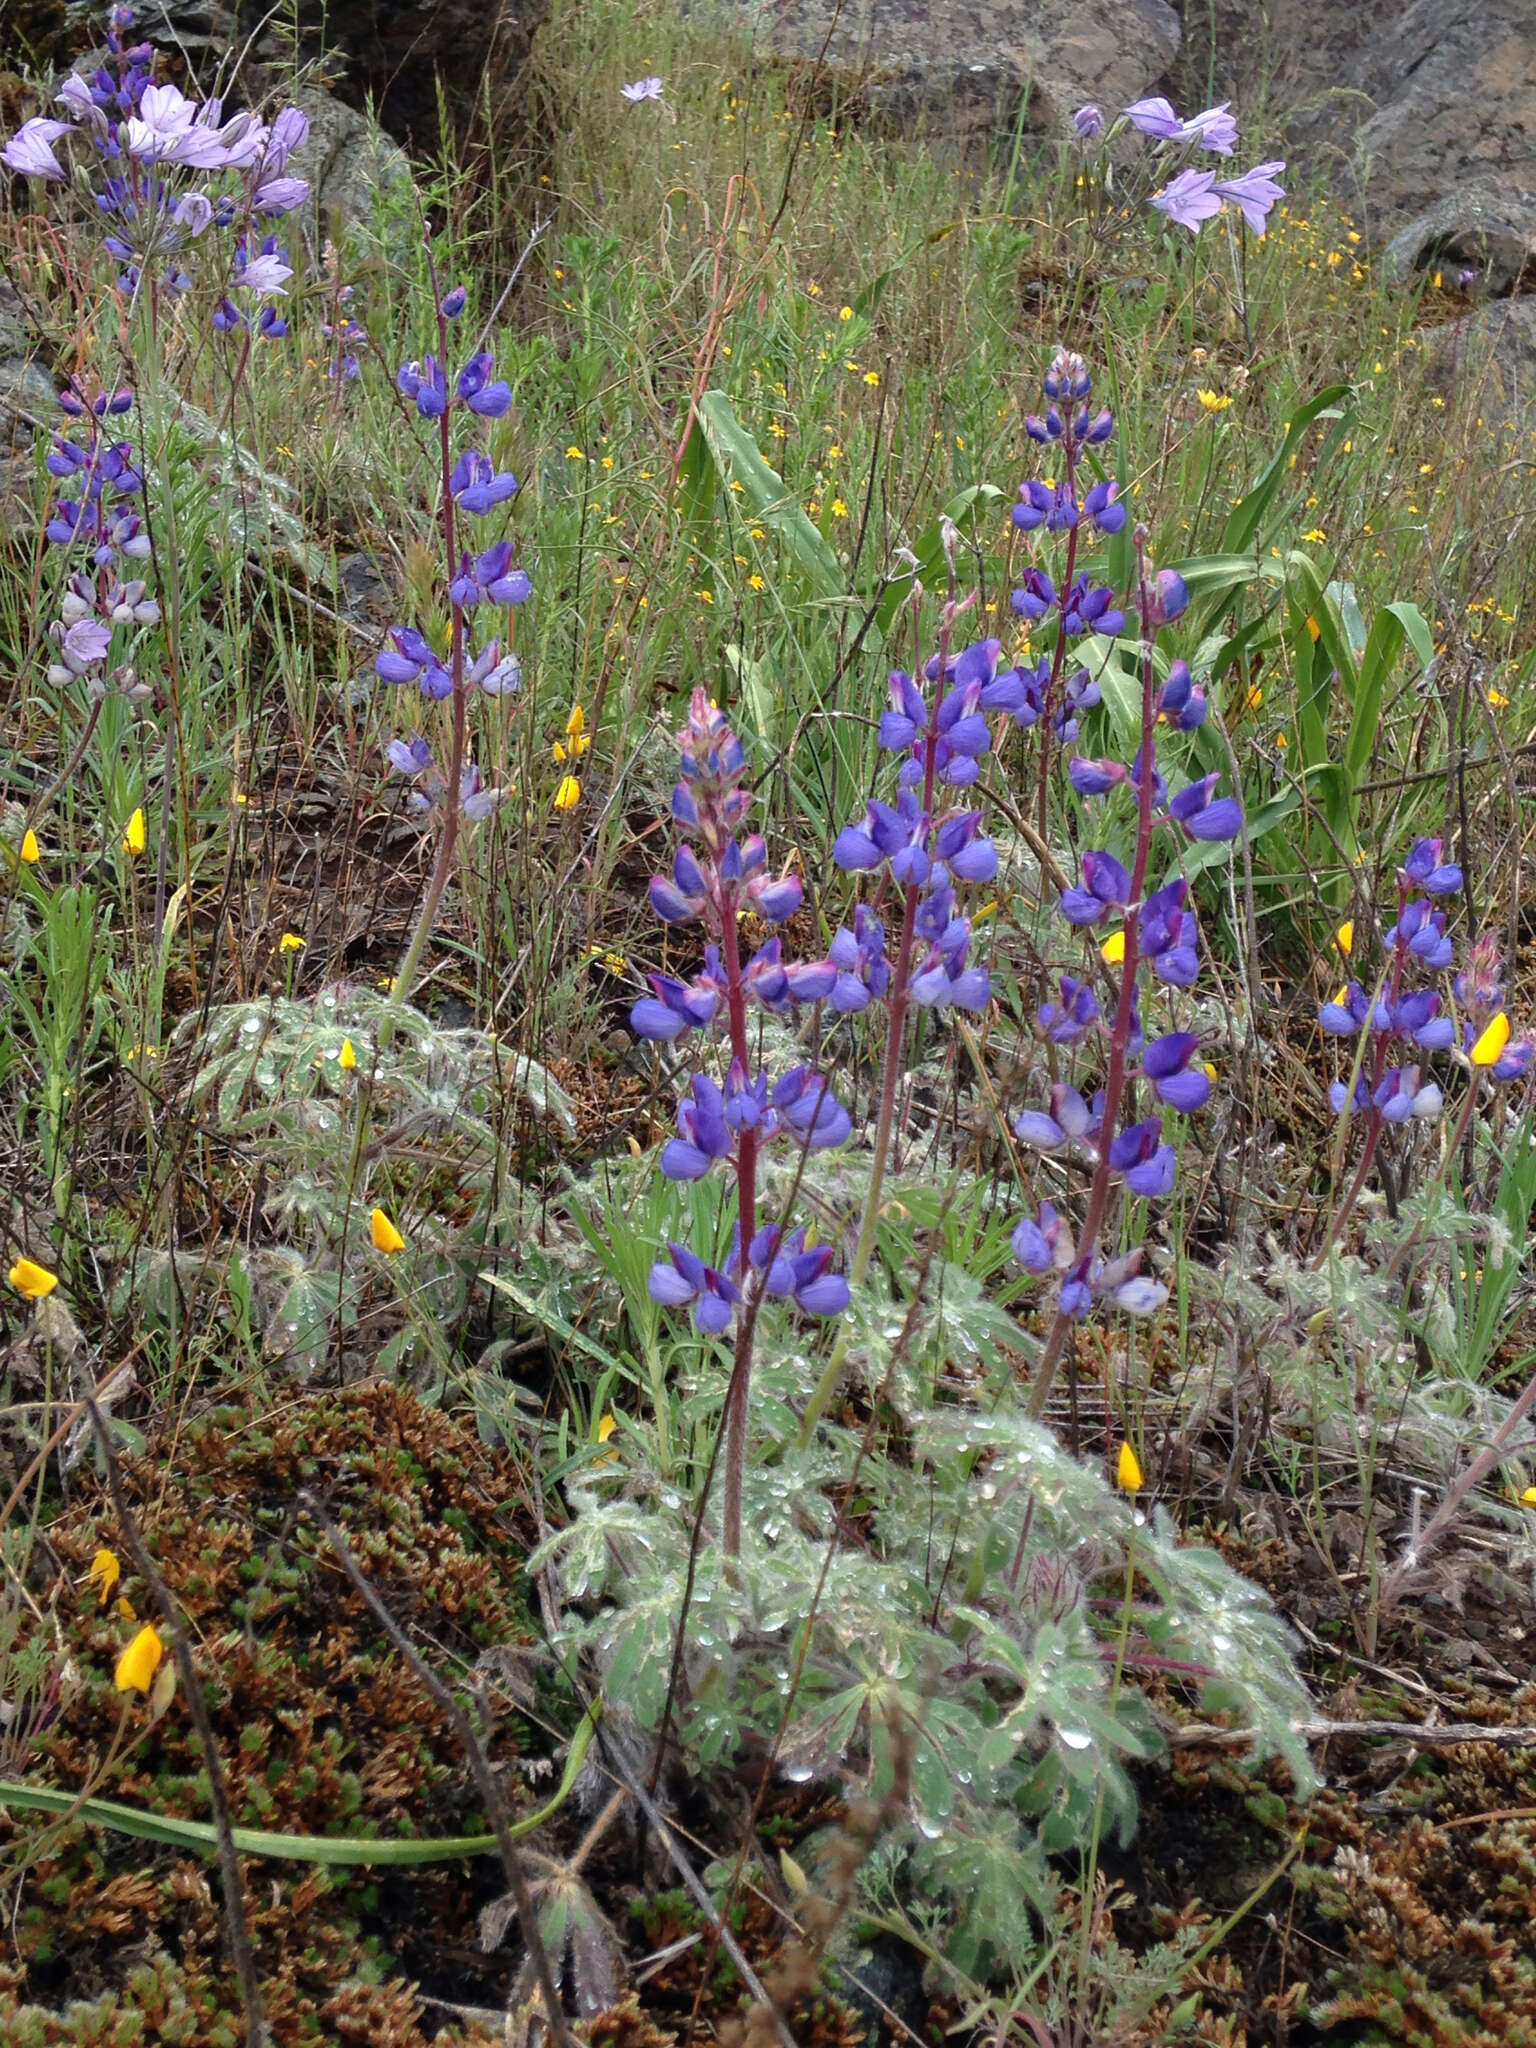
(270,1069)
(966,1638)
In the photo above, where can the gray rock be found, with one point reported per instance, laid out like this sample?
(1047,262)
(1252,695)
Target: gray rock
(1433,101)
(968,67)
(27,393)
(1489,357)
(1488,226)
(346,159)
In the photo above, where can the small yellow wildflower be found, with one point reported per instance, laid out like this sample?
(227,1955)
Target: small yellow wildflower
(1489,1047)
(31,852)
(1344,937)
(384,1234)
(606,1427)
(575,454)
(31,1280)
(1128,1471)
(290,942)
(1497,699)
(846,313)
(1314,533)
(568,795)
(104,1574)
(346,1059)
(139,1662)
(871,377)
(133,837)
(1528,1498)
(1112,952)
(839,509)
(1214,401)
(757,583)
(577,738)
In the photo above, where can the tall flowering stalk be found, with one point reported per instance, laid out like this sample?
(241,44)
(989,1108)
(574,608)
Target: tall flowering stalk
(712,883)
(1077,608)
(451,673)
(1156,942)
(1405,1015)
(1195,192)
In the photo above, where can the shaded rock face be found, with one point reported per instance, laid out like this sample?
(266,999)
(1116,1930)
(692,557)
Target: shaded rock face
(968,67)
(395,53)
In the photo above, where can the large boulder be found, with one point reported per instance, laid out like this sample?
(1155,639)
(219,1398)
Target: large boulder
(969,68)
(1433,104)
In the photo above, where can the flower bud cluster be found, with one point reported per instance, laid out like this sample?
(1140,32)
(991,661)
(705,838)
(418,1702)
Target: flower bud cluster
(100,484)
(718,873)
(1404,1014)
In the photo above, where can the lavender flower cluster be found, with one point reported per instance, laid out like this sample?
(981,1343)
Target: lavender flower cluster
(1157,931)
(159,157)
(100,487)
(1405,1014)
(488,576)
(713,884)
(1194,194)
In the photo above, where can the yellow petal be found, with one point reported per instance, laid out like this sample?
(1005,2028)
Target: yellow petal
(576,724)
(385,1236)
(290,942)
(1344,937)
(1490,1046)
(605,1428)
(1128,1471)
(1112,952)
(346,1059)
(124,1610)
(1528,1498)
(568,795)
(32,853)
(104,1574)
(139,1662)
(32,1280)
(133,838)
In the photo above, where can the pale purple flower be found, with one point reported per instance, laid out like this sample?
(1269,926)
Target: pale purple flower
(642,89)
(1190,199)
(1088,123)
(30,149)
(1214,129)
(266,274)
(1253,194)
(1155,117)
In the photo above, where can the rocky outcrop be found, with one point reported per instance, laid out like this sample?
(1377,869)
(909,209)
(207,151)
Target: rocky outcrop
(971,67)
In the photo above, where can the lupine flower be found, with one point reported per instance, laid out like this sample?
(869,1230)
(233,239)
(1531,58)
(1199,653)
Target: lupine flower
(1172,1066)
(1105,883)
(1181,701)
(1205,816)
(1044,1246)
(688,1282)
(1066,1022)
(32,1281)
(1069,1122)
(1169,935)
(480,390)
(136,1667)
(477,485)
(491,578)
(1146,1163)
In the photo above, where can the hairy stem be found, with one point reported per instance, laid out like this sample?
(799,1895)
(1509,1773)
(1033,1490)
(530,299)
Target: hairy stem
(734,1420)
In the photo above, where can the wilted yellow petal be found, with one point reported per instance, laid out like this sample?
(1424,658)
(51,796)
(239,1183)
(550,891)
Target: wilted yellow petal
(1112,952)
(346,1059)
(133,838)
(1128,1471)
(139,1662)
(385,1236)
(33,1280)
(31,852)
(1490,1046)
(124,1609)
(1344,937)
(104,1574)
(568,795)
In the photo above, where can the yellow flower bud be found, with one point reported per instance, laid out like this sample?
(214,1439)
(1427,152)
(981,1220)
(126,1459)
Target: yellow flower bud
(1128,1471)
(104,1574)
(31,852)
(1344,937)
(1112,952)
(1490,1046)
(346,1059)
(32,1280)
(139,1662)
(568,795)
(385,1236)
(133,838)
